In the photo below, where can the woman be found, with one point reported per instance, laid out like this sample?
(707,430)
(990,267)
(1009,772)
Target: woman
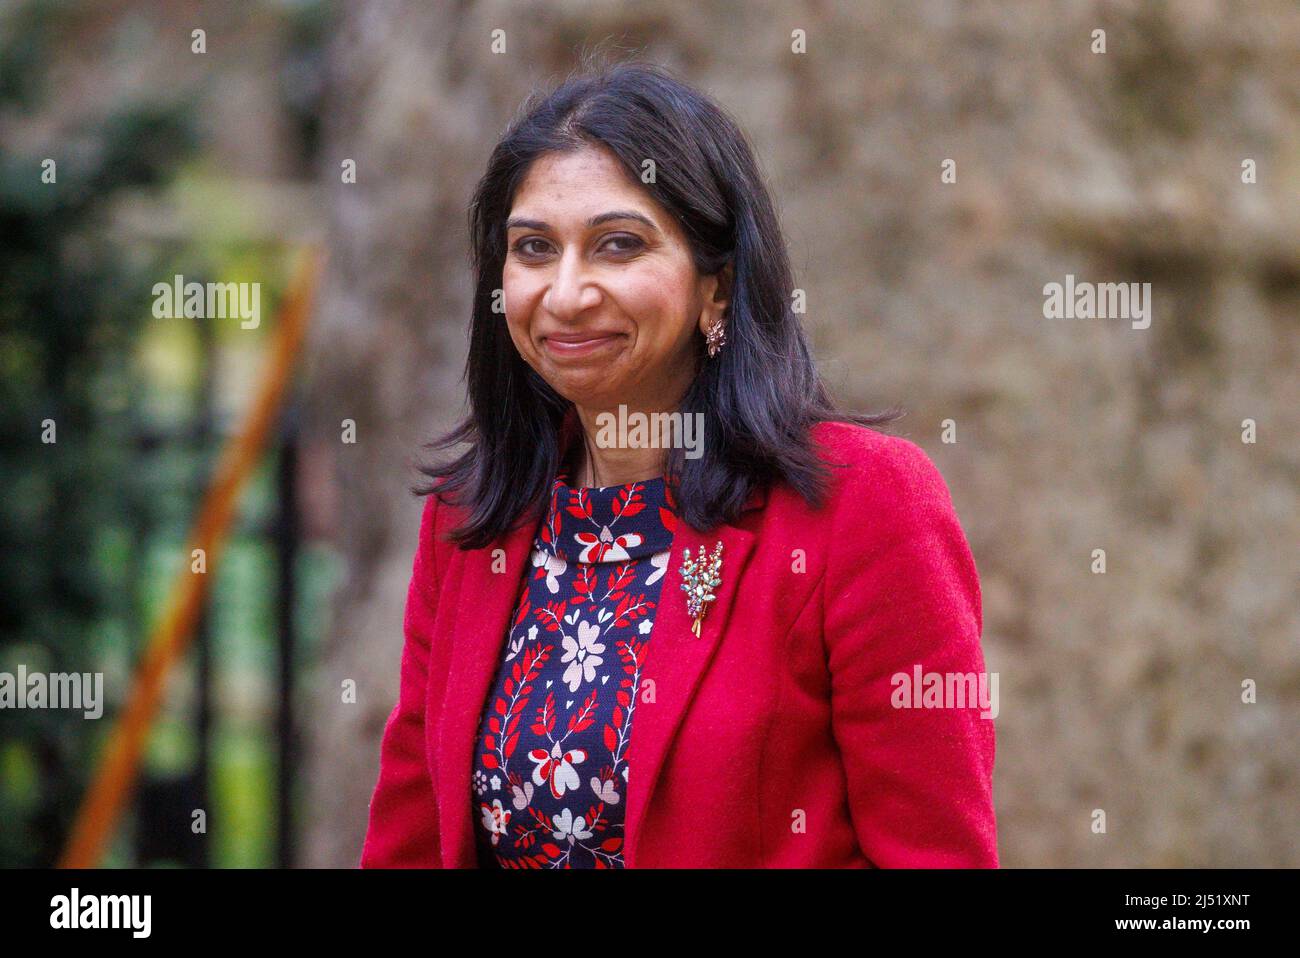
(624,655)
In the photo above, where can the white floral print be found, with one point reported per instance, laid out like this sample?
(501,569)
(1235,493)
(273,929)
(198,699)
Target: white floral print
(583,655)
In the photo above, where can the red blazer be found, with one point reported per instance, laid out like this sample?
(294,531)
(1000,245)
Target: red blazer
(770,740)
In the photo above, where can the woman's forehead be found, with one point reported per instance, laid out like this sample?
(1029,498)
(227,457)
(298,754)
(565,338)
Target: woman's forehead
(583,182)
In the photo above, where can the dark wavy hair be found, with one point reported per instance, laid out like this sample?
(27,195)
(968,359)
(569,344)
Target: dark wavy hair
(759,396)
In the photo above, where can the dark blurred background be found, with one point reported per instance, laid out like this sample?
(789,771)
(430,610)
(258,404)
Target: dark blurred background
(1119,691)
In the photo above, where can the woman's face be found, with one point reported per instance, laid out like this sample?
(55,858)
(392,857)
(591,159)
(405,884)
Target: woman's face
(602,298)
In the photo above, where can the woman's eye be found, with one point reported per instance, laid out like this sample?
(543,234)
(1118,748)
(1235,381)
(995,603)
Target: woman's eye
(627,240)
(522,249)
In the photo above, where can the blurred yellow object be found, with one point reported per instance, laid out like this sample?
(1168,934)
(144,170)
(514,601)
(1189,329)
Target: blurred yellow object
(117,769)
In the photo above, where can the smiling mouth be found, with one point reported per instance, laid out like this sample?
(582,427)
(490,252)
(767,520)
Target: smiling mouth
(579,347)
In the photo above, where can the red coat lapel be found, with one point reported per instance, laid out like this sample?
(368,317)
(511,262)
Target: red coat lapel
(675,660)
(477,646)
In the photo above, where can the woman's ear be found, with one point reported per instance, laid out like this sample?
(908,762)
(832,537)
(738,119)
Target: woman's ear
(717,297)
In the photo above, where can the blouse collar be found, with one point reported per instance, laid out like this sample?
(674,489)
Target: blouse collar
(593,524)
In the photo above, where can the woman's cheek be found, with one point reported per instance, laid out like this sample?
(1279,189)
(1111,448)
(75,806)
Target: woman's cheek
(513,301)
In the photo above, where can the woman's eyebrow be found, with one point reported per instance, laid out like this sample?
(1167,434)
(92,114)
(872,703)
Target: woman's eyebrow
(520,222)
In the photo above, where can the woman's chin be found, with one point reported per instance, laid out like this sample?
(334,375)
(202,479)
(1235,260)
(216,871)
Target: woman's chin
(591,386)
(591,395)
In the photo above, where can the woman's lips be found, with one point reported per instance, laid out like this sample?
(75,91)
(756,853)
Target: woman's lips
(570,347)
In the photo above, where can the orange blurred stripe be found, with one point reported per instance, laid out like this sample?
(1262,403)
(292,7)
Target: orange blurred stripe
(108,792)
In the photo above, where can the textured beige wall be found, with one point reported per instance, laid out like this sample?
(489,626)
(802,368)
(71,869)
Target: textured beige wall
(1119,691)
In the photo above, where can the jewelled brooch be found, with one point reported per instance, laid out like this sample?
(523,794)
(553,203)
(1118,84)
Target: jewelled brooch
(699,578)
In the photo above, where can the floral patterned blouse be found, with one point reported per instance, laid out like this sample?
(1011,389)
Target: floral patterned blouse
(551,755)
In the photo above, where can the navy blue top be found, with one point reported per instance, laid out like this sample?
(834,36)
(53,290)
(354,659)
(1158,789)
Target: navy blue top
(551,756)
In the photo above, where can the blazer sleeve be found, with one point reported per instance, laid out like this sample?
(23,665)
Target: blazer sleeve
(403,825)
(901,591)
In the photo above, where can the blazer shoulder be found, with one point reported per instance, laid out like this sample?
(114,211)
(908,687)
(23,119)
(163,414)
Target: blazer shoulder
(888,498)
(435,518)
(869,461)
(429,517)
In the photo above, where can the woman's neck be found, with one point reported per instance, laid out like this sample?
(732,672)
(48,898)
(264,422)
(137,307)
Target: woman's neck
(616,467)
(612,465)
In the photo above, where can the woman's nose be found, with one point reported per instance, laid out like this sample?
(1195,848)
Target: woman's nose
(571,290)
